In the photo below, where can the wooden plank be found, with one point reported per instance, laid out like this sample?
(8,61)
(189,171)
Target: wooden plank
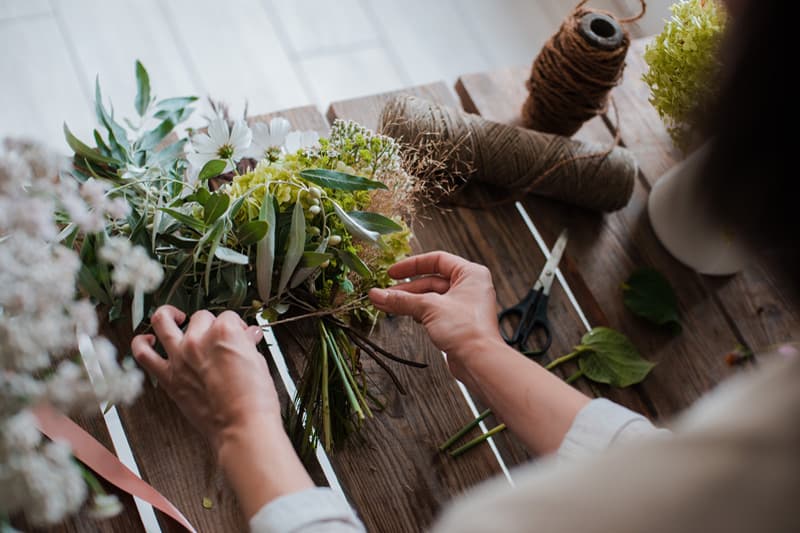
(496,238)
(606,249)
(755,299)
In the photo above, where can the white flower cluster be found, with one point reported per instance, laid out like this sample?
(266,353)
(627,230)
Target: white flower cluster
(40,324)
(133,268)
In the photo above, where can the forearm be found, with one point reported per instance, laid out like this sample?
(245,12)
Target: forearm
(535,404)
(260,464)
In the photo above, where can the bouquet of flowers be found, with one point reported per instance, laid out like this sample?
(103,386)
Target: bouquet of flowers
(257,219)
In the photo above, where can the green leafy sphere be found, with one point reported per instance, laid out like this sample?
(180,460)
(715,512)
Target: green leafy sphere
(684,66)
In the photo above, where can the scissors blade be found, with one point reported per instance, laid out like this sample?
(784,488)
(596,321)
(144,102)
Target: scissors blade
(549,271)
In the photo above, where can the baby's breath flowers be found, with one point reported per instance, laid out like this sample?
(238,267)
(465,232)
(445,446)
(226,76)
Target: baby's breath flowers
(41,320)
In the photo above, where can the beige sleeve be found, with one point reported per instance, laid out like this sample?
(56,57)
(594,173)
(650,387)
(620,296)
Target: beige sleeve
(732,465)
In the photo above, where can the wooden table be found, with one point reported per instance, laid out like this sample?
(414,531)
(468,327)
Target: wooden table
(392,472)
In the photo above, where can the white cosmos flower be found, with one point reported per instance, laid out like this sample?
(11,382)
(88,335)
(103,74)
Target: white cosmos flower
(300,139)
(267,137)
(220,143)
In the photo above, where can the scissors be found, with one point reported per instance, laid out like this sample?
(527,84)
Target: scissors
(531,311)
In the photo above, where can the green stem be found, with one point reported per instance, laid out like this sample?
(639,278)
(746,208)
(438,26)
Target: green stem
(91,480)
(326,406)
(464,430)
(474,442)
(348,389)
(574,377)
(563,359)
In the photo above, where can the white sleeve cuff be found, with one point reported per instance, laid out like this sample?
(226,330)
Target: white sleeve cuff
(313,510)
(600,424)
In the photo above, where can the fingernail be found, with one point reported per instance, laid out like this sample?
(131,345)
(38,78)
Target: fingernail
(379,296)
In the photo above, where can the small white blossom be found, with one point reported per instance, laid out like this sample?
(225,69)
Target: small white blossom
(133,268)
(298,140)
(268,137)
(220,142)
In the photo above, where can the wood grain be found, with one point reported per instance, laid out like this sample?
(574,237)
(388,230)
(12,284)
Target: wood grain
(606,250)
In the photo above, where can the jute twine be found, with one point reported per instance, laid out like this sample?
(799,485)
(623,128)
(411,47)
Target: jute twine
(575,70)
(470,147)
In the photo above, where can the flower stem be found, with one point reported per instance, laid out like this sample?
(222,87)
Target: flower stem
(91,480)
(474,442)
(326,405)
(345,381)
(574,377)
(464,430)
(563,359)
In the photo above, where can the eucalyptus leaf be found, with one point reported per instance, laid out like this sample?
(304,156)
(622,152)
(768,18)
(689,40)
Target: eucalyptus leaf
(175,104)
(230,256)
(354,228)
(252,232)
(375,222)
(88,282)
(341,181)
(294,247)
(609,357)
(85,151)
(117,136)
(184,219)
(214,239)
(354,263)
(169,154)
(265,251)
(648,294)
(211,169)
(142,89)
(156,135)
(215,207)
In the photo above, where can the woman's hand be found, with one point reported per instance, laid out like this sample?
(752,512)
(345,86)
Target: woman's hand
(453,298)
(222,384)
(213,371)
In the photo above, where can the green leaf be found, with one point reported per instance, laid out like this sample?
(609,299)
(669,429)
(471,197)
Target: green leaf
(237,281)
(354,263)
(295,246)
(156,135)
(340,181)
(211,169)
(215,207)
(230,256)
(171,105)
(117,136)
(142,89)
(214,237)
(251,232)
(375,222)
(314,259)
(265,252)
(648,294)
(186,220)
(88,282)
(609,357)
(137,308)
(85,151)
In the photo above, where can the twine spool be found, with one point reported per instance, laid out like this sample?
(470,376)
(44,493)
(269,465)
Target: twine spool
(577,67)
(470,147)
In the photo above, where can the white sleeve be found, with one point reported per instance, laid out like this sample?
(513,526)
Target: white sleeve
(601,424)
(314,510)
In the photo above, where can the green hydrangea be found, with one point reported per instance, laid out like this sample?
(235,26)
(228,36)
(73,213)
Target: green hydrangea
(684,66)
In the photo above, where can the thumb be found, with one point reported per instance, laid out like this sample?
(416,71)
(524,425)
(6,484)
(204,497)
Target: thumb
(401,302)
(255,333)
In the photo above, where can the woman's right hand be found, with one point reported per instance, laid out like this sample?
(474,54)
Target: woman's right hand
(453,298)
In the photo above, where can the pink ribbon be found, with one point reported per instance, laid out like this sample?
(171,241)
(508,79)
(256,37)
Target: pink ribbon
(94,455)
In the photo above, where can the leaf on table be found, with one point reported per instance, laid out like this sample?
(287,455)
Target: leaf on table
(648,294)
(609,357)
(295,246)
(341,181)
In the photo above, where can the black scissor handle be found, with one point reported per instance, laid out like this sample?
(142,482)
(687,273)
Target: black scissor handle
(541,324)
(525,311)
